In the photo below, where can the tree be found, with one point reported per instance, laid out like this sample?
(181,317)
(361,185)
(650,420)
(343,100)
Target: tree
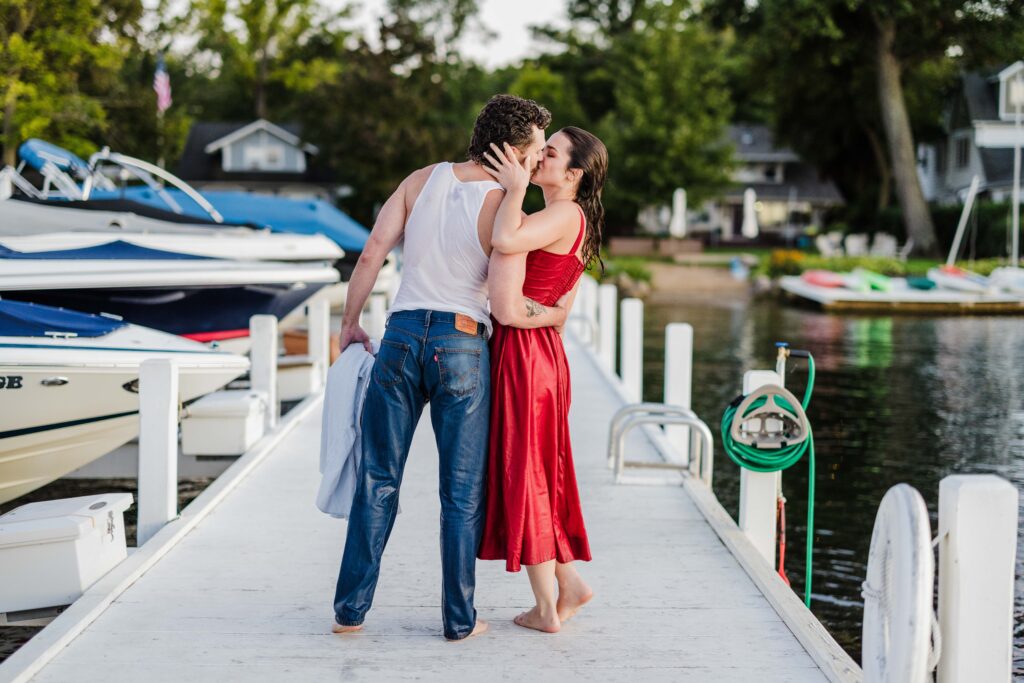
(47,49)
(853,81)
(652,83)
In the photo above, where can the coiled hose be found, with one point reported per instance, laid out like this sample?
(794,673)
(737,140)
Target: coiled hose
(776,460)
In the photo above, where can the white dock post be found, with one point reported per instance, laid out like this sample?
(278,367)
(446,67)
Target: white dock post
(378,315)
(158,447)
(633,348)
(679,381)
(759,491)
(263,368)
(319,343)
(588,308)
(977,547)
(608,303)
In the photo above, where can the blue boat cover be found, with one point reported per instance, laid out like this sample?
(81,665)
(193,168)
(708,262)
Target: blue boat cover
(19,319)
(36,152)
(117,249)
(280,214)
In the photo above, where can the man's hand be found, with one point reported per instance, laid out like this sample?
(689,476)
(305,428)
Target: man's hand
(562,308)
(352,333)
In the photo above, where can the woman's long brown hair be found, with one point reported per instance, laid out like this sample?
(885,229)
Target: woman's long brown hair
(590,156)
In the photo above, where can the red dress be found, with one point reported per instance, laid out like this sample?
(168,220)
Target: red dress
(533,505)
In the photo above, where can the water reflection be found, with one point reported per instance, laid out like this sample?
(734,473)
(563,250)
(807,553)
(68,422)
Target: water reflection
(897,399)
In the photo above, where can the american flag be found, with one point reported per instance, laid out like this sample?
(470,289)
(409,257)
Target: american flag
(162,86)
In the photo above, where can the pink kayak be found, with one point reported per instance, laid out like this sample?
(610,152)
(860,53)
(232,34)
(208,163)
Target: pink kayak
(823,278)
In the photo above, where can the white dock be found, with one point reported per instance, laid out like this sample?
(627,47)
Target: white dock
(240,586)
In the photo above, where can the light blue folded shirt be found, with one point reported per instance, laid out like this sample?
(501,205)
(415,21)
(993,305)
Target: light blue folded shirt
(340,434)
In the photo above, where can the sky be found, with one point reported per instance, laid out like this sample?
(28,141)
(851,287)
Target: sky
(509,19)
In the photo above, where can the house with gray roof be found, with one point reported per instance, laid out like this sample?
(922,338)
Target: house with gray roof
(980,131)
(258,156)
(790,194)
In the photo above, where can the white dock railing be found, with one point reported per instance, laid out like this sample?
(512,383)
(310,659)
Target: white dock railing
(159,409)
(977,513)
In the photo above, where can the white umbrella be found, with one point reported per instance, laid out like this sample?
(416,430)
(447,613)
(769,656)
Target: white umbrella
(749,229)
(677,226)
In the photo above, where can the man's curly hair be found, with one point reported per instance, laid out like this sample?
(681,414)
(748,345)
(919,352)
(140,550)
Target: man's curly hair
(506,118)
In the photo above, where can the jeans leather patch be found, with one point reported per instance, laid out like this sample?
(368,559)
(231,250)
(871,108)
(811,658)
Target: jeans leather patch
(463,323)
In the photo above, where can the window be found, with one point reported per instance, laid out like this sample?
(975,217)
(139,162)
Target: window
(963,152)
(941,150)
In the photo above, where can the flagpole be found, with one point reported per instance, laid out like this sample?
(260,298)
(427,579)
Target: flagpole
(160,138)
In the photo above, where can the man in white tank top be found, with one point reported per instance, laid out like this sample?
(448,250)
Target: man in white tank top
(434,351)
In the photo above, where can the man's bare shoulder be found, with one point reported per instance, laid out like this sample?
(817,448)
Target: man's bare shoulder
(414,184)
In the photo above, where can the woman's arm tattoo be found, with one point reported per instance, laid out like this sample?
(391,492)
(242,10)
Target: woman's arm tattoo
(533,308)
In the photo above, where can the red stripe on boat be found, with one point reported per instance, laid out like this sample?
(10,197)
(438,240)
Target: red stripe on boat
(217,336)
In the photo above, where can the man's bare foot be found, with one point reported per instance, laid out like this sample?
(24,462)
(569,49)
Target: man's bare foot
(572,597)
(338,628)
(480,627)
(535,620)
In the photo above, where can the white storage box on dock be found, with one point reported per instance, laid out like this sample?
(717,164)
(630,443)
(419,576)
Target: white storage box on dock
(223,423)
(52,551)
(297,377)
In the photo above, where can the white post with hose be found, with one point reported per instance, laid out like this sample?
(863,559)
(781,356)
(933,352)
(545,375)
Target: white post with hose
(158,446)
(607,305)
(633,348)
(977,551)
(679,381)
(759,491)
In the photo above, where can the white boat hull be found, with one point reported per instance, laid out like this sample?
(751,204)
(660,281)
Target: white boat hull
(66,402)
(224,243)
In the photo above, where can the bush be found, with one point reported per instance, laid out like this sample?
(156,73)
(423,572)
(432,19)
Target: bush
(986,233)
(786,262)
(633,266)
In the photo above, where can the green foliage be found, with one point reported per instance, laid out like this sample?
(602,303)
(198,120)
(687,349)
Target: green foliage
(50,50)
(789,262)
(988,228)
(633,266)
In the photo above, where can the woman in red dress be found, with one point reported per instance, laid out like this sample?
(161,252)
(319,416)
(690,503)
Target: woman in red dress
(533,506)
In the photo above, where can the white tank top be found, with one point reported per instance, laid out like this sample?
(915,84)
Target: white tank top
(444,268)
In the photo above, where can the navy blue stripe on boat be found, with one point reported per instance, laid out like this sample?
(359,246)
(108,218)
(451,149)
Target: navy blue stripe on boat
(61,425)
(22,319)
(112,348)
(118,249)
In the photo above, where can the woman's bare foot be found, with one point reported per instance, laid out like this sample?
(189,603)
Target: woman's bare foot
(540,622)
(338,628)
(571,597)
(480,627)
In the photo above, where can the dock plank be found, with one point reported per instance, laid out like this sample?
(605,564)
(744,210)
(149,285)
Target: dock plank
(246,595)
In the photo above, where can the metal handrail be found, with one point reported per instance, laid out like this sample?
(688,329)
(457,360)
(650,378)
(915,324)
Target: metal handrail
(701,443)
(145,172)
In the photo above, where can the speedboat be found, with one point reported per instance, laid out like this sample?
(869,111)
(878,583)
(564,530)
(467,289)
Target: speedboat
(200,298)
(223,244)
(69,387)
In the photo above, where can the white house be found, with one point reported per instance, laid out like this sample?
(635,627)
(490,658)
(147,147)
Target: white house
(258,156)
(980,132)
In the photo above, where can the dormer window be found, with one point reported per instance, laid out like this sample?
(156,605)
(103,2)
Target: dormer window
(1011,91)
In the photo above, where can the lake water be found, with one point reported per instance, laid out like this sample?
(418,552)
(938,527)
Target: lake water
(897,399)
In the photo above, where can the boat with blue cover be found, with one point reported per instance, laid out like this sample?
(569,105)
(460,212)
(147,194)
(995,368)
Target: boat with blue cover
(201,298)
(69,387)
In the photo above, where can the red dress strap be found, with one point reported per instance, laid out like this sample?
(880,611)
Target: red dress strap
(579,238)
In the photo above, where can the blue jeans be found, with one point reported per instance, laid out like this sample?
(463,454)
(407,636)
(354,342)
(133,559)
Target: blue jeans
(422,358)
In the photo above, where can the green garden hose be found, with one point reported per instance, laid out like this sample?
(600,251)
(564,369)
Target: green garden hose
(776,460)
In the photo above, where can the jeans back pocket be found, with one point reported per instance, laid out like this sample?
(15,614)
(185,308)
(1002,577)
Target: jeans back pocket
(459,370)
(389,366)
